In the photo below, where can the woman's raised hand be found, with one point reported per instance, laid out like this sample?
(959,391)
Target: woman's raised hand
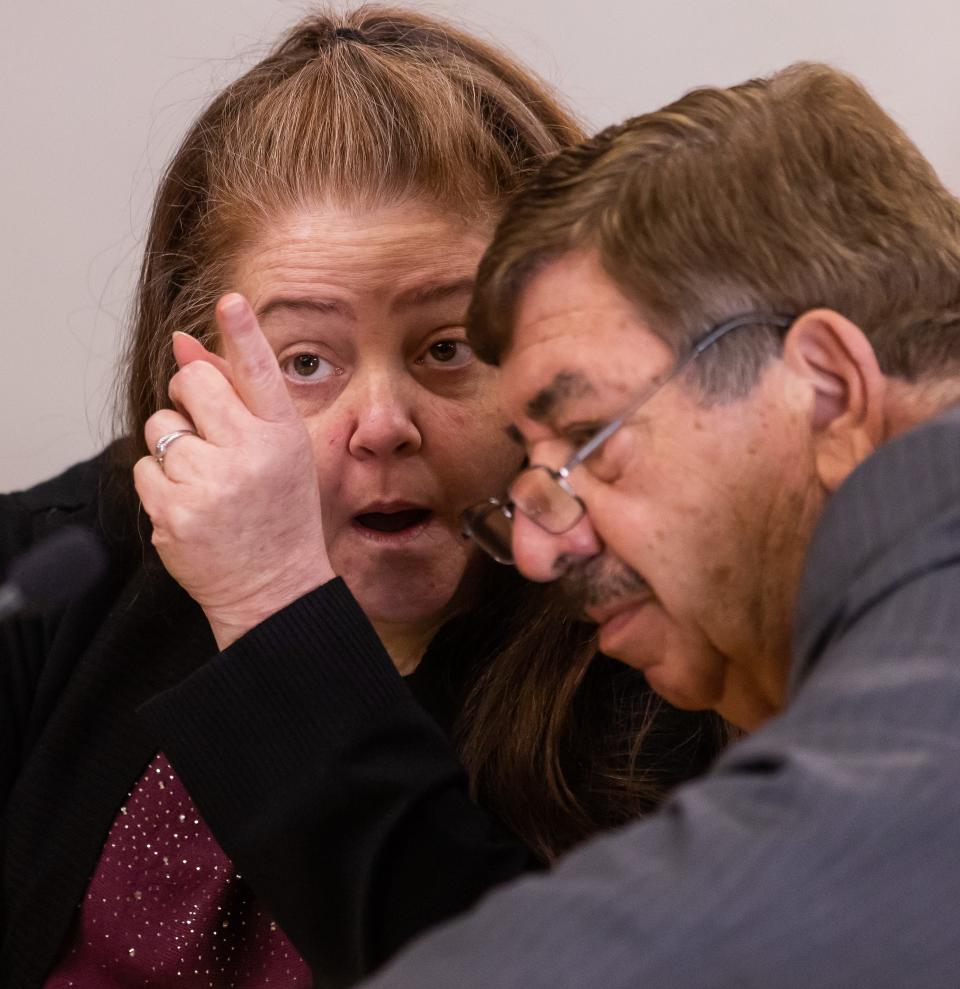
(236,507)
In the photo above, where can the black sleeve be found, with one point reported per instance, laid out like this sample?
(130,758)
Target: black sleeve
(335,794)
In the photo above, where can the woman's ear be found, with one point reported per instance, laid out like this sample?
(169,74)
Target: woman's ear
(836,360)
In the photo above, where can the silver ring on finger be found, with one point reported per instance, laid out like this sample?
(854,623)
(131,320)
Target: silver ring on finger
(163,444)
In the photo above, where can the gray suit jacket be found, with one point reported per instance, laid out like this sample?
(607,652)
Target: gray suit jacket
(823,851)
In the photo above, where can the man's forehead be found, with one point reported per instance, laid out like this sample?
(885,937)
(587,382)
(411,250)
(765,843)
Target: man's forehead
(574,281)
(580,372)
(576,375)
(577,341)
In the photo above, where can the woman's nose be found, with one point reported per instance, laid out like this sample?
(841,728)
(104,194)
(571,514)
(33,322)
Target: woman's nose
(541,555)
(384,421)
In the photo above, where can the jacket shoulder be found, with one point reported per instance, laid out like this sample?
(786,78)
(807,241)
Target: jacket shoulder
(85,493)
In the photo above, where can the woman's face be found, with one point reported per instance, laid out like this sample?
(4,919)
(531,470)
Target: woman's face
(365,312)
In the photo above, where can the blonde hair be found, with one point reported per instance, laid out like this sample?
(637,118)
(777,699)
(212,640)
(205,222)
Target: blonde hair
(367,107)
(778,195)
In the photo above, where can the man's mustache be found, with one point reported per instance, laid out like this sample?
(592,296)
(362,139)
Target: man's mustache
(596,582)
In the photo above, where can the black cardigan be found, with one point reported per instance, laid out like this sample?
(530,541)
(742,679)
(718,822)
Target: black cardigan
(329,781)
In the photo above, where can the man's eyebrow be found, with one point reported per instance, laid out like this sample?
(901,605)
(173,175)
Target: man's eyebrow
(437,291)
(565,386)
(514,434)
(323,307)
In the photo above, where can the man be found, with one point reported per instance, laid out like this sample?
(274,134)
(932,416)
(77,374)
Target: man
(730,334)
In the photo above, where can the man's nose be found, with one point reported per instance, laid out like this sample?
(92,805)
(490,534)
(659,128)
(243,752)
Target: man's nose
(541,555)
(384,423)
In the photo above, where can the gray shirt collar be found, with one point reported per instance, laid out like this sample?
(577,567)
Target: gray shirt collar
(883,526)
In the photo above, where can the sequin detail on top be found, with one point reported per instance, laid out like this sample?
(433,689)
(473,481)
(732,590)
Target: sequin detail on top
(166,907)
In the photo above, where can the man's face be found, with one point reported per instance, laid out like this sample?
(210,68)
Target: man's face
(697,515)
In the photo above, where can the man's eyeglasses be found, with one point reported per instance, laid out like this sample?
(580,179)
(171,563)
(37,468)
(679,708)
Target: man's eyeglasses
(544,495)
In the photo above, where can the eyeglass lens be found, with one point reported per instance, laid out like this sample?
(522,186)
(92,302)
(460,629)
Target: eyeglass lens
(492,531)
(537,493)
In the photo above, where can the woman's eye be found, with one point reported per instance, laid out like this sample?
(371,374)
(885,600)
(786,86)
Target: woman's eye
(307,368)
(449,353)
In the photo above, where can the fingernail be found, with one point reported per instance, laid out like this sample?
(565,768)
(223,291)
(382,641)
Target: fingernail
(233,304)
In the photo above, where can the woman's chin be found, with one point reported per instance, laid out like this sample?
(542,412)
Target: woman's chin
(403,598)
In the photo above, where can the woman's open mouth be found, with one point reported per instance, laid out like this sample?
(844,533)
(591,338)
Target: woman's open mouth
(395,526)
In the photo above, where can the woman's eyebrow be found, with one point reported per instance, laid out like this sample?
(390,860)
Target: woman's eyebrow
(323,307)
(434,291)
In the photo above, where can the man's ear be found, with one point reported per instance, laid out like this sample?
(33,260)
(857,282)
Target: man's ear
(838,363)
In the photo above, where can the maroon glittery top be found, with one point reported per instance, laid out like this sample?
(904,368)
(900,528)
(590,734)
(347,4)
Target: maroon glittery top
(165,907)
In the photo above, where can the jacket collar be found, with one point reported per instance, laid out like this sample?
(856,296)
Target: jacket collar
(896,516)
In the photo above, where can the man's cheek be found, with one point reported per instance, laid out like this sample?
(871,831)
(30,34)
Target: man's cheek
(623,524)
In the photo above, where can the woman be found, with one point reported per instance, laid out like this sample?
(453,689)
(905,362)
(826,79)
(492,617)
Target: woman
(192,775)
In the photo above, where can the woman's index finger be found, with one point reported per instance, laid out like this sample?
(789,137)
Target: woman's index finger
(257,377)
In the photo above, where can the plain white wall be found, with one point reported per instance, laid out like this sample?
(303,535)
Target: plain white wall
(95,97)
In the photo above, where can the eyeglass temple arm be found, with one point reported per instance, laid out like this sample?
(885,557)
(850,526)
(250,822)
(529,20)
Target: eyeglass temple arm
(780,320)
